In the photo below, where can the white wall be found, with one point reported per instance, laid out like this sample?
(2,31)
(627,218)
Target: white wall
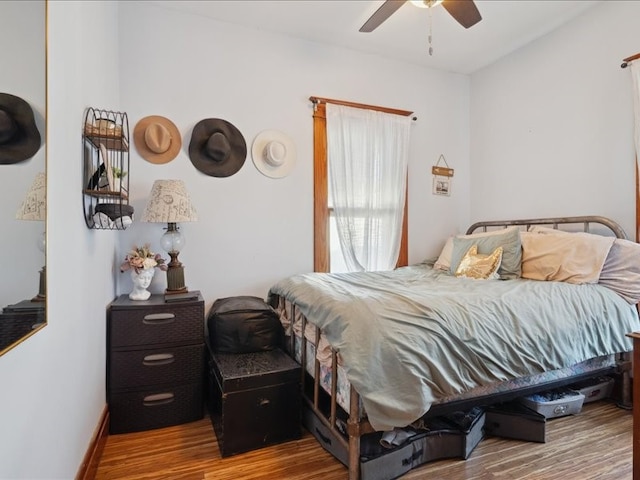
(53,384)
(254,230)
(551,125)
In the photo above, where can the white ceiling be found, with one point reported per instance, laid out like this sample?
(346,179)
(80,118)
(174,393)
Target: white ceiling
(506,26)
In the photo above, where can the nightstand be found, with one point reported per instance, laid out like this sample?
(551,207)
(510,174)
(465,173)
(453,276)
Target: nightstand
(155,362)
(19,320)
(254,399)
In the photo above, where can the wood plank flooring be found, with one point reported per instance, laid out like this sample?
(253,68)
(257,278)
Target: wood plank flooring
(595,444)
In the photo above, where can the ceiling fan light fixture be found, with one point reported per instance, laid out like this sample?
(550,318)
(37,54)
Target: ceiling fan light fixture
(464,12)
(426,3)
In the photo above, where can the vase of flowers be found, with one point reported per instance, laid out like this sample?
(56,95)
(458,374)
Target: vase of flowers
(142,263)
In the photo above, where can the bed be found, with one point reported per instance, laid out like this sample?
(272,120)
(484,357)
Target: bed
(385,350)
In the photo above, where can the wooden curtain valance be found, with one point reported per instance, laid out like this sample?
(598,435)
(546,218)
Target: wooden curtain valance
(395,111)
(627,60)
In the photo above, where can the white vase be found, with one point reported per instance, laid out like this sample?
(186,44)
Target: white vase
(141,281)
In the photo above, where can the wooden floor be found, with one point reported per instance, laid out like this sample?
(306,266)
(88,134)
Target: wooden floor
(595,444)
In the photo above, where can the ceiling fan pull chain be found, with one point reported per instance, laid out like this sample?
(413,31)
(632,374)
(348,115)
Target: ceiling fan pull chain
(430,32)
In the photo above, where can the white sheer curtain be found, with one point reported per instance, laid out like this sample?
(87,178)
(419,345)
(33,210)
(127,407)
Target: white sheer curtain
(367,156)
(635,74)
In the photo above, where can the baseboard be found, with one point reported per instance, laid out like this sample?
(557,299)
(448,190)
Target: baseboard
(91,459)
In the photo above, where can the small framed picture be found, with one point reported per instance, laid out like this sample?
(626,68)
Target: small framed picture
(442,185)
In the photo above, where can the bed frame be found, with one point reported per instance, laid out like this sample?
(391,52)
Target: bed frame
(356,426)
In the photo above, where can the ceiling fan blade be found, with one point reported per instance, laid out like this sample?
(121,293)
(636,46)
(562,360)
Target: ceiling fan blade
(464,12)
(387,9)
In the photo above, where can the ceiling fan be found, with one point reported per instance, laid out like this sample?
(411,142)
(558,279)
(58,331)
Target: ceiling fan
(464,12)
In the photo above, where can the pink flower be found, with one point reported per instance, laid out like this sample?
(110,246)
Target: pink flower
(160,262)
(141,258)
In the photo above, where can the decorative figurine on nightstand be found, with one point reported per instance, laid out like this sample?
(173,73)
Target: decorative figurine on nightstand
(141,282)
(143,263)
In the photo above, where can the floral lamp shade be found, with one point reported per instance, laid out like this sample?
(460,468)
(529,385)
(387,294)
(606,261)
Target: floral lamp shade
(34,206)
(169,202)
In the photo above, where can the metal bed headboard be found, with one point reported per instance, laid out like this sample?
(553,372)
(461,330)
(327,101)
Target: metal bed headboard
(586,221)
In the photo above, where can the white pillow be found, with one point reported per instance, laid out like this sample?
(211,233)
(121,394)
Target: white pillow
(444,260)
(621,270)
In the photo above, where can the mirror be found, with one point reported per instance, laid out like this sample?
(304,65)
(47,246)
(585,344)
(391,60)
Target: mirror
(23,57)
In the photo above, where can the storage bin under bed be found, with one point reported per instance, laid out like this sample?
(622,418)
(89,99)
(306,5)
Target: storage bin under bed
(454,436)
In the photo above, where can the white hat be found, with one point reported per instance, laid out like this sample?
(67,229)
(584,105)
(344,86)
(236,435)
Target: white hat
(274,153)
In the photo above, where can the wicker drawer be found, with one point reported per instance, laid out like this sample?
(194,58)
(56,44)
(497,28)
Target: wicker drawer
(170,365)
(15,325)
(153,323)
(155,363)
(155,407)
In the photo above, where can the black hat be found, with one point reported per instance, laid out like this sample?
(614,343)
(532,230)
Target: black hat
(19,136)
(217,148)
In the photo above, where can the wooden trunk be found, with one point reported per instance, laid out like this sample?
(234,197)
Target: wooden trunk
(254,399)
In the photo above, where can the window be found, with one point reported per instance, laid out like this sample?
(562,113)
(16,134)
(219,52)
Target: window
(327,251)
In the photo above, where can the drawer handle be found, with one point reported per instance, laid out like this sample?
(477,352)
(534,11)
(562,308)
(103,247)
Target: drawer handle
(157,399)
(263,402)
(158,318)
(158,359)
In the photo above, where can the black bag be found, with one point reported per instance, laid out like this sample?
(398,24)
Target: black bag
(242,325)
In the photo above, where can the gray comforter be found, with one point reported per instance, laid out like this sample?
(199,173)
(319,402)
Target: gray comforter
(414,335)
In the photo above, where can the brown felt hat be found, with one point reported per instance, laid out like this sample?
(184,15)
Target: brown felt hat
(217,147)
(19,136)
(157,139)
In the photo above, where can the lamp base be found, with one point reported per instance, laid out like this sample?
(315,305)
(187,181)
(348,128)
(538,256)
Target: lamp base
(176,292)
(175,276)
(42,295)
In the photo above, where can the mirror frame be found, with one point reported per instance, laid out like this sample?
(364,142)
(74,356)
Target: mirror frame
(46,164)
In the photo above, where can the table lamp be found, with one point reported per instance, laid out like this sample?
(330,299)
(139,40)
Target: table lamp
(34,207)
(169,203)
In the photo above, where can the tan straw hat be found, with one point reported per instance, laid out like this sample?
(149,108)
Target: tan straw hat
(157,139)
(274,153)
